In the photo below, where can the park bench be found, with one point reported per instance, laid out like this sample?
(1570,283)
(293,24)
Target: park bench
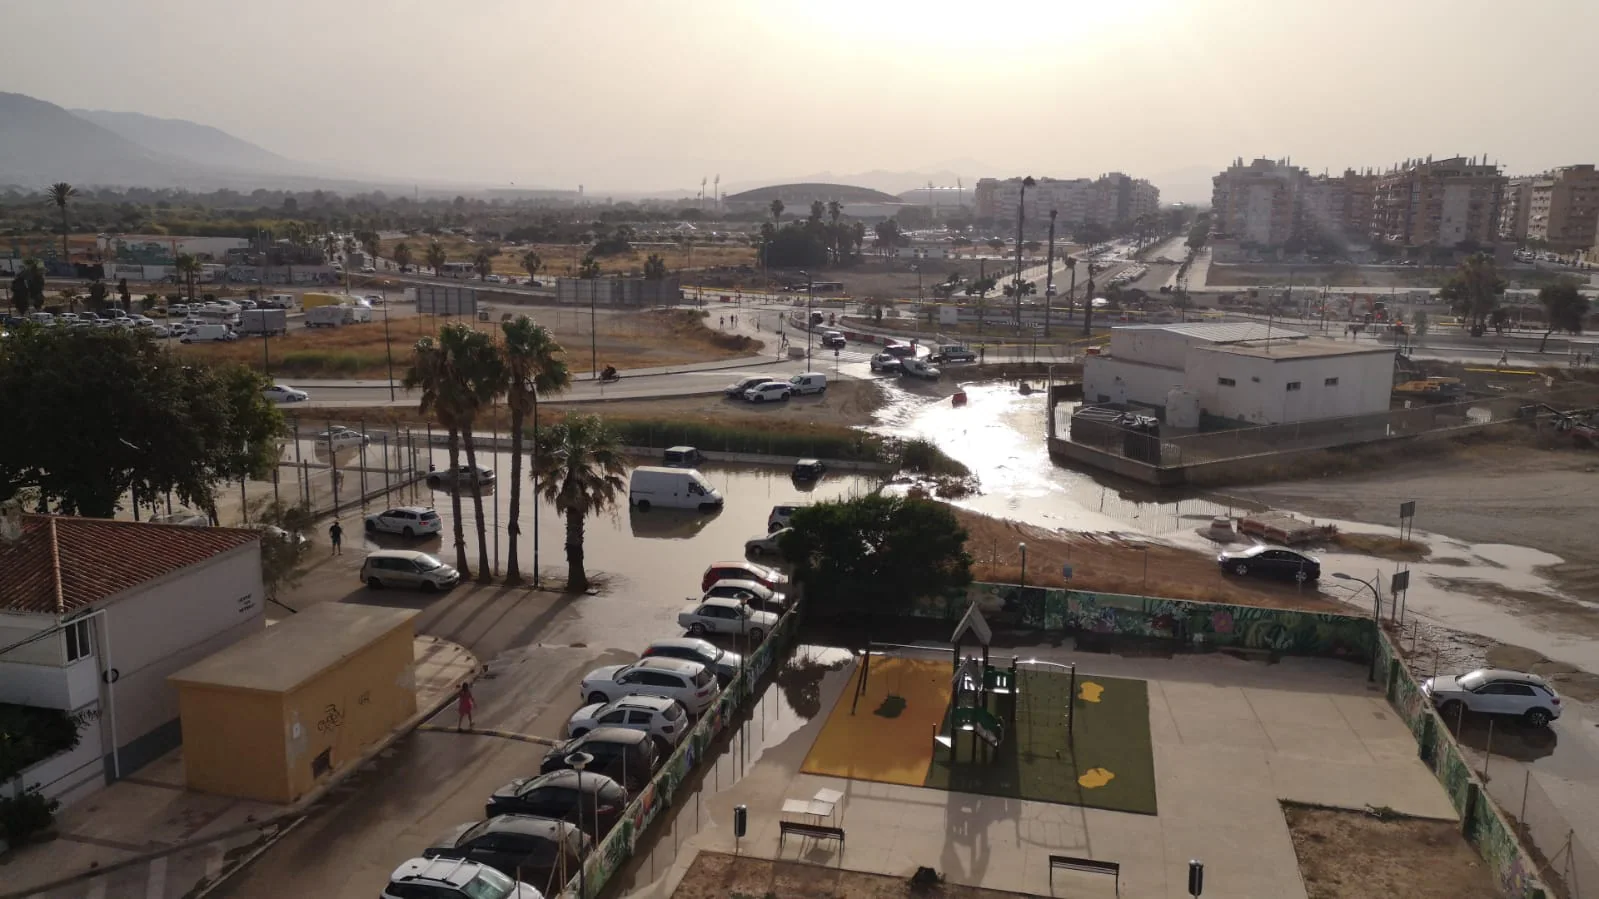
(1094,866)
(800,829)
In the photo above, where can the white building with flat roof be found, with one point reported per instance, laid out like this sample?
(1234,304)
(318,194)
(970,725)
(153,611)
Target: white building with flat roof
(1245,372)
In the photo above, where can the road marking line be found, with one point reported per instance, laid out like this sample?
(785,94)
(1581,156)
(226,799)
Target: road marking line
(155,885)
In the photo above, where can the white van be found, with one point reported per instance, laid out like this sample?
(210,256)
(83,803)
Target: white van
(209,332)
(671,488)
(809,382)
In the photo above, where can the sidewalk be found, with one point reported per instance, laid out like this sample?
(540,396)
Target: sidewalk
(378,383)
(182,838)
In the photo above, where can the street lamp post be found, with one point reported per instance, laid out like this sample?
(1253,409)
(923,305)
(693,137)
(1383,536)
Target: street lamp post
(1049,273)
(594,340)
(388,345)
(1376,616)
(810,300)
(1023,548)
(1021,217)
(578,761)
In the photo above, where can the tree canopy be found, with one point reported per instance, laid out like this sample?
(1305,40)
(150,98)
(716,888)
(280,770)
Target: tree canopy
(1564,306)
(876,554)
(1474,291)
(97,413)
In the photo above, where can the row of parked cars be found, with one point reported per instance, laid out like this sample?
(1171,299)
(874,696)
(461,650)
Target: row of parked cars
(762,389)
(537,830)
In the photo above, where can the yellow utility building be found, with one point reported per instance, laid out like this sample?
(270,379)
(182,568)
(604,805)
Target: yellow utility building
(270,716)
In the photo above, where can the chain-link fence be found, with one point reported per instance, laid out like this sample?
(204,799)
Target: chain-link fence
(1568,860)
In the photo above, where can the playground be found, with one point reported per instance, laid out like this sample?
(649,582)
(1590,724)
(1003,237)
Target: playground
(1042,732)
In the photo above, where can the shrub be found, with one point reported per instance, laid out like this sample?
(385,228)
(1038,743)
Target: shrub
(924,457)
(23,816)
(30,735)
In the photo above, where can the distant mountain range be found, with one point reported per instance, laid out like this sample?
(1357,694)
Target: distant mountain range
(190,141)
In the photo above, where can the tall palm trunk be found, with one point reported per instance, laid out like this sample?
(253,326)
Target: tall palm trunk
(484,572)
(66,255)
(577,580)
(513,571)
(455,504)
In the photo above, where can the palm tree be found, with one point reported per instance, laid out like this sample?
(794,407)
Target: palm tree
(474,365)
(350,246)
(777,211)
(436,256)
(834,210)
(187,266)
(533,367)
(369,243)
(532,262)
(484,263)
(402,254)
(61,193)
(580,465)
(431,371)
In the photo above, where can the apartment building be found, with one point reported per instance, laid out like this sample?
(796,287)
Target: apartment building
(1438,203)
(1108,200)
(1513,211)
(1563,208)
(1259,202)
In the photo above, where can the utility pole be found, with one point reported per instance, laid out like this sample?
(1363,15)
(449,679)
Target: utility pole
(1049,273)
(1021,217)
(1088,303)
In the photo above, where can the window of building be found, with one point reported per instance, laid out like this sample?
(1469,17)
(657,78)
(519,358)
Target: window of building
(1292,386)
(77,634)
(1330,382)
(1226,382)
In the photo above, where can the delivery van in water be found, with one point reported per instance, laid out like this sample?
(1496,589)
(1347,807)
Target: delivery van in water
(671,488)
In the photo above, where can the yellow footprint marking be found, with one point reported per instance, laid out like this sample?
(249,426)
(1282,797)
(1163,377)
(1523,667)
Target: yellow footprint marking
(1090,692)
(1094,778)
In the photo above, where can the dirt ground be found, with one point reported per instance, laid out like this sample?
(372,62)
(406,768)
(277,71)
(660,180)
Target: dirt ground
(1113,564)
(717,876)
(561,260)
(1356,855)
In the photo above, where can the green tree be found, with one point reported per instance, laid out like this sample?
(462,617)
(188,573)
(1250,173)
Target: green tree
(818,209)
(125,294)
(589,268)
(777,211)
(436,257)
(580,466)
(369,243)
(996,244)
(1474,290)
(187,268)
(19,293)
(97,295)
(888,235)
(835,209)
(876,555)
(103,413)
(402,254)
(476,362)
(432,373)
(655,268)
(534,366)
(483,264)
(532,263)
(285,544)
(61,193)
(33,281)
(1564,308)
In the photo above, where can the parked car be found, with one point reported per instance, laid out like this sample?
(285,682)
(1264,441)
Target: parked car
(752,594)
(557,795)
(885,362)
(768,391)
(720,615)
(626,756)
(780,514)
(738,388)
(461,475)
(1270,561)
(900,350)
(687,682)
(743,571)
(453,878)
(770,545)
(340,437)
(658,716)
(283,393)
(408,521)
(682,457)
(724,664)
(953,353)
(833,339)
(1494,691)
(919,368)
(536,850)
(808,382)
(809,470)
(650,486)
(213,333)
(406,568)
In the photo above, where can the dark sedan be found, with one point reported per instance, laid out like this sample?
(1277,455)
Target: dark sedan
(555,795)
(1271,561)
(537,851)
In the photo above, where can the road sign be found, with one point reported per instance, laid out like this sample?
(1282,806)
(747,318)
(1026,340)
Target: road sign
(1407,510)
(1066,572)
(1400,582)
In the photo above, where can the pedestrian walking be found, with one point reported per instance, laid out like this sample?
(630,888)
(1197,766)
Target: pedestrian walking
(721,321)
(336,534)
(464,705)
(1504,358)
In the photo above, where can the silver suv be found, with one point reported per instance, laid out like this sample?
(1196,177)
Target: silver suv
(405,568)
(1494,691)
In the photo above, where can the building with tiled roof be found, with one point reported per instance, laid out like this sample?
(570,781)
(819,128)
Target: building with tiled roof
(95,613)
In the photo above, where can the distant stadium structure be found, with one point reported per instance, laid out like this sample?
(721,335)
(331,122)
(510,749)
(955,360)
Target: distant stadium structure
(798,197)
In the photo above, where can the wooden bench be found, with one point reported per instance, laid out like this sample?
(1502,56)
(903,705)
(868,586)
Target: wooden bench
(1094,866)
(801,829)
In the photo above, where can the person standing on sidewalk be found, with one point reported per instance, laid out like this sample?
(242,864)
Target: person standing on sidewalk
(464,705)
(336,534)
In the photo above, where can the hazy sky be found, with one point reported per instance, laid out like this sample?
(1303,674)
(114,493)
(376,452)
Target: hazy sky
(640,94)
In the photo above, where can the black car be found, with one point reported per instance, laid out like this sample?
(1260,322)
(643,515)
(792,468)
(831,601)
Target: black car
(537,851)
(832,340)
(954,353)
(809,470)
(737,388)
(555,795)
(626,755)
(1271,561)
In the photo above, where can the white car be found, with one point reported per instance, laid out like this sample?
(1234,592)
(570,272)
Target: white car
(453,878)
(340,437)
(1494,691)
(408,521)
(658,716)
(141,321)
(283,393)
(767,545)
(771,390)
(750,593)
(720,615)
(495,279)
(692,684)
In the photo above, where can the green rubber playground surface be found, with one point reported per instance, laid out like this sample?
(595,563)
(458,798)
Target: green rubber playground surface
(1107,762)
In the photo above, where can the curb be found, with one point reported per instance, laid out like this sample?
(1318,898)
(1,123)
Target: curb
(485,732)
(298,810)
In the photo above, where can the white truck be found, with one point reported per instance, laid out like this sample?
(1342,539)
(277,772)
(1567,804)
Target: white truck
(671,488)
(263,321)
(327,316)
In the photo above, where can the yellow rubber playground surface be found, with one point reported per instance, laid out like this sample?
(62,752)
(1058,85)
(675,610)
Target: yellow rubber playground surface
(1107,761)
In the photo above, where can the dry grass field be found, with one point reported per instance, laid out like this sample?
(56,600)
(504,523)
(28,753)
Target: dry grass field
(561,260)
